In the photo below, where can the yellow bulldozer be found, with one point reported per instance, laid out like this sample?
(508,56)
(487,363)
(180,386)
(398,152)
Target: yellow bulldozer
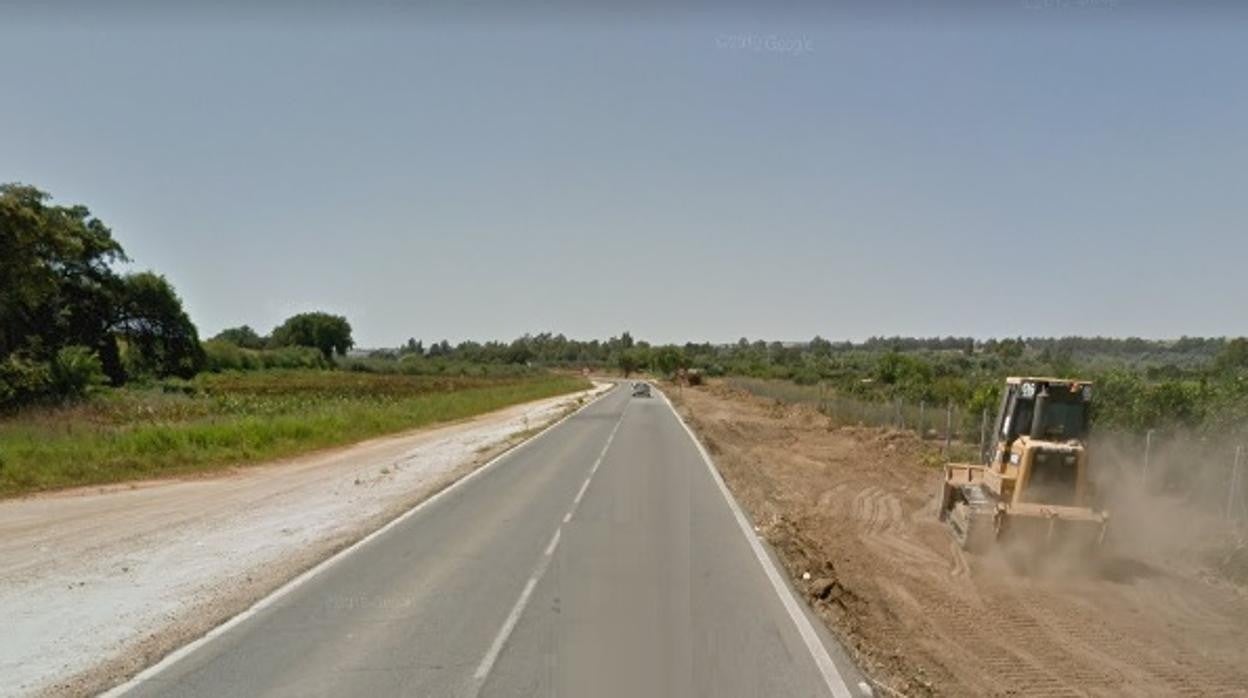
(1034,484)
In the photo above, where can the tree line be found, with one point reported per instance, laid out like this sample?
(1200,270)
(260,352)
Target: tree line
(69,320)
(1143,384)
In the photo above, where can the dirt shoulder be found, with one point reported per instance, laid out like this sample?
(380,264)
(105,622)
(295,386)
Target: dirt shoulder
(855,508)
(96,584)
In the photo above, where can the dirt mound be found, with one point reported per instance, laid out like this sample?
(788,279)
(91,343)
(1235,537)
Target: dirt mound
(852,513)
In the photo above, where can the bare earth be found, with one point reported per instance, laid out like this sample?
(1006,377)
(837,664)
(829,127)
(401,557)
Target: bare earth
(855,508)
(97,583)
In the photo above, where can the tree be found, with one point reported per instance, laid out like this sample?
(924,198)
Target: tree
(820,347)
(627,361)
(56,284)
(1233,357)
(1010,349)
(443,348)
(329,333)
(518,352)
(152,323)
(412,347)
(667,360)
(64,310)
(243,336)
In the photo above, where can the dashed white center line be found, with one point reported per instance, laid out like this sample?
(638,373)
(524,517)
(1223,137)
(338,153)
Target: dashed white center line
(512,618)
(554,541)
(487,662)
(581,493)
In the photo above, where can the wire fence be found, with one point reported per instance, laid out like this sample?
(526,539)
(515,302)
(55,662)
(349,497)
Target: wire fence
(1206,470)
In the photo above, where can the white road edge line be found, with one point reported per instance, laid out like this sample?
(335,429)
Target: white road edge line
(831,675)
(504,633)
(176,655)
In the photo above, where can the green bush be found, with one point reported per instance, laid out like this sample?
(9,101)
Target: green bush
(74,371)
(221,355)
(23,380)
(226,356)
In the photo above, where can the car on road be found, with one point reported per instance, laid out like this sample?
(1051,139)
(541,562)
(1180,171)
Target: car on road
(641,389)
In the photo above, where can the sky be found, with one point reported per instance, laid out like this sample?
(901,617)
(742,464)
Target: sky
(1021,168)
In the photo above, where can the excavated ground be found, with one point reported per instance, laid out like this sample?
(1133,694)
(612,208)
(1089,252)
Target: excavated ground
(855,509)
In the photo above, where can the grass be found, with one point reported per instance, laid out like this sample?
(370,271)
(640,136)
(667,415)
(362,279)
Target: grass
(220,420)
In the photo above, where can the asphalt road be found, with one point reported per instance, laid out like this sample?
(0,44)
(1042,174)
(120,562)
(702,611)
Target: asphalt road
(602,558)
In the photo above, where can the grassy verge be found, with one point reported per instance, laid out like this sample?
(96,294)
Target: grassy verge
(219,420)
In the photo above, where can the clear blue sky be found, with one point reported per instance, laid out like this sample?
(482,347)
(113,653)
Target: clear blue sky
(1045,167)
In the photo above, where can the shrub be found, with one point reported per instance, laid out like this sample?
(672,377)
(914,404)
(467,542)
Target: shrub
(225,356)
(74,371)
(22,380)
(221,355)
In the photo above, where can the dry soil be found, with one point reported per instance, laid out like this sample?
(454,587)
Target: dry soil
(852,513)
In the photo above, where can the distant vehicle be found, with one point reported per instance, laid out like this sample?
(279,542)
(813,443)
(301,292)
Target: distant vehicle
(641,389)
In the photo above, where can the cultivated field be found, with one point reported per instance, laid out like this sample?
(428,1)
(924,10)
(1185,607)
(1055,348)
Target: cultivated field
(220,420)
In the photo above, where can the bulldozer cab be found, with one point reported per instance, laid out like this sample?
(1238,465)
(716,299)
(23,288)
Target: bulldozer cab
(1037,457)
(1040,409)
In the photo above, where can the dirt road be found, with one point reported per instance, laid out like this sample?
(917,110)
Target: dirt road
(854,509)
(97,583)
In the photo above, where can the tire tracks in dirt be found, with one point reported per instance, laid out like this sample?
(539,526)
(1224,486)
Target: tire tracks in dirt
(852,513)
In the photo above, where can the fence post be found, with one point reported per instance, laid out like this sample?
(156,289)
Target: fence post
(901,418)
(948,425)
(922,421)
(1148,453)
(983,433)
(1230,495)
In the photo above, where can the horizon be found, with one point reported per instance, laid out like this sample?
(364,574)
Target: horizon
(979,341)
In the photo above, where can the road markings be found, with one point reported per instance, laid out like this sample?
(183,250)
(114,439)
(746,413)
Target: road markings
(175,656)
(554,541)
(581,493)
(483,670)
(597,462)
(827,668)
(517,610)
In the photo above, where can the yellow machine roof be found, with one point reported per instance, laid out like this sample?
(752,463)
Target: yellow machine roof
(1039,379)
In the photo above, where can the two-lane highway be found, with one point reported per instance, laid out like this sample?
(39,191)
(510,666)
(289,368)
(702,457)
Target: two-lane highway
(603,558)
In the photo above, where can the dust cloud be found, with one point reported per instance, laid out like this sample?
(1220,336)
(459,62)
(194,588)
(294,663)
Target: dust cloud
(1172,513)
